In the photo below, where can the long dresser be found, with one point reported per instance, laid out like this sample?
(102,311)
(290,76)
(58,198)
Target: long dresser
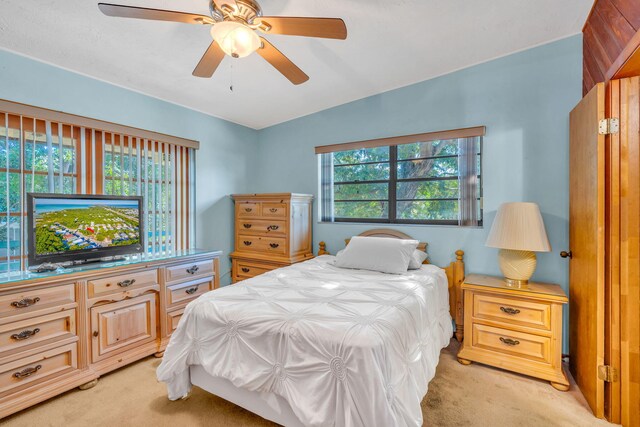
(64,329)
(271,231)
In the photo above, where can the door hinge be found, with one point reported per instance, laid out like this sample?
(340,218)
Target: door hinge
(607,373)
(609,126)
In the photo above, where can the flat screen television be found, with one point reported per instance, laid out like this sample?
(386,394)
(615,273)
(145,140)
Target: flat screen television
(82,227)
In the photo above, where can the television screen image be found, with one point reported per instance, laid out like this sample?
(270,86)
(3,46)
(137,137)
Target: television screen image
(84,224)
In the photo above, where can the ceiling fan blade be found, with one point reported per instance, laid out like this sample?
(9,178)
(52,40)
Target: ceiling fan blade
(153,14)
(328,28)
(281,63)
(209,61)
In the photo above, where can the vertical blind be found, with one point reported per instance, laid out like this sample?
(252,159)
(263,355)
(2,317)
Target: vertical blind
(46,156)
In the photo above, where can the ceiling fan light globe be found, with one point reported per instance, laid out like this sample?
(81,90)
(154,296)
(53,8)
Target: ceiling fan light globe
(235,39)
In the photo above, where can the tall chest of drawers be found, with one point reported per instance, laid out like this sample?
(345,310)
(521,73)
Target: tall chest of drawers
(271,231)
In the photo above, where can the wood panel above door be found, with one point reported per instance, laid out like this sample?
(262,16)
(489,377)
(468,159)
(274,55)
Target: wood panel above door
(610,37)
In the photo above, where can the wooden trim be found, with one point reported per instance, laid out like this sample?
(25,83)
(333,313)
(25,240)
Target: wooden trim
(406,139)
(625,65)
(612,354)
(72,119)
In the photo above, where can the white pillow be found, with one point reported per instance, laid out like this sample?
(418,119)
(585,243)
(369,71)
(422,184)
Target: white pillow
(383,254)
(417,258)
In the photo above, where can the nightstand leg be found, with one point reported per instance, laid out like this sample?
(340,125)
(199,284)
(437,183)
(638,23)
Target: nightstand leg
(558,386)
(464,361)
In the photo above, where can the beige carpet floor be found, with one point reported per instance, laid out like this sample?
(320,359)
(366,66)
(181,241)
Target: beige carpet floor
(459,395)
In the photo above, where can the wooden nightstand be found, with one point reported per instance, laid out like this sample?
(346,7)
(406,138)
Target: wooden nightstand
(518,329)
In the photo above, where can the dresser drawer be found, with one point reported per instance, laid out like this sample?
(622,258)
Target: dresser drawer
(189,271)
(512,311)
(515,344)
(261,226)
(28,333)
(32,301)
(275,245)
(37,368)
(187,291)
(173,318)
(248,210)
(248,269)
(122,282)
(276,210)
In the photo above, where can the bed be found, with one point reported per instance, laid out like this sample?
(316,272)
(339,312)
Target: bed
(317,345)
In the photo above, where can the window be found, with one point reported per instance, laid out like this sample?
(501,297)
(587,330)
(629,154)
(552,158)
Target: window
(432,178)
(46,152)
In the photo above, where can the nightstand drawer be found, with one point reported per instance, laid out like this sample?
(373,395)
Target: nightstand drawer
(516,344)
(512,311)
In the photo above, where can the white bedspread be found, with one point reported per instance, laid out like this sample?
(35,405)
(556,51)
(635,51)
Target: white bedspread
(343,347)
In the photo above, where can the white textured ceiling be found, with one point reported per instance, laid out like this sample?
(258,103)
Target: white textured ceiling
(391,43)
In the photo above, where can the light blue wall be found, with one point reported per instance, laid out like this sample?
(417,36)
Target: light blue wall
(226,152)
(523,99)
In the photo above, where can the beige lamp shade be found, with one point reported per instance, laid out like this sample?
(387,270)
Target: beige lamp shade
(519,226)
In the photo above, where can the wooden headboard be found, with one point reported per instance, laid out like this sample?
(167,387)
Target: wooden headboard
(455,272)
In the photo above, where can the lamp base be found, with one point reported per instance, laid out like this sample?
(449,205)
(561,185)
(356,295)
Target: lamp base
(517,266)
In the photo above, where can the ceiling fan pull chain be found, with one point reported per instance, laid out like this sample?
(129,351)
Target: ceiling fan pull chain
(231,77)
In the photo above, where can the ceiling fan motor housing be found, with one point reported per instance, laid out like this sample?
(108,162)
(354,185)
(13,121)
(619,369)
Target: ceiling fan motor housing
(244,10)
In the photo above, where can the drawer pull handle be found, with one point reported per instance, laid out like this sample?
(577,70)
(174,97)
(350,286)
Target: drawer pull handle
(509,310)
(126,283)
(25,302)
(273,227)
(509,341)
(274,245)
(245,270)
(247,225)
(247,242)
(25,334)
(193,269)
(27,372)
(273,210)
(248,209)
(192,291)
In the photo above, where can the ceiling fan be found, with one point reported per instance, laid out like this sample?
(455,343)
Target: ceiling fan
(233,28)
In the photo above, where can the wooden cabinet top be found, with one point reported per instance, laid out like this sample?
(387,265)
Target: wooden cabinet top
(547,291)
(23,278)
(271,196)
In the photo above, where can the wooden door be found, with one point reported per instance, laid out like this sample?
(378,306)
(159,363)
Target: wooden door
(587,244)
(623,395)
(120,325)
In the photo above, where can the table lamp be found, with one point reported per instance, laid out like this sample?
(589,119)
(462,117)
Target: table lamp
(518,230)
